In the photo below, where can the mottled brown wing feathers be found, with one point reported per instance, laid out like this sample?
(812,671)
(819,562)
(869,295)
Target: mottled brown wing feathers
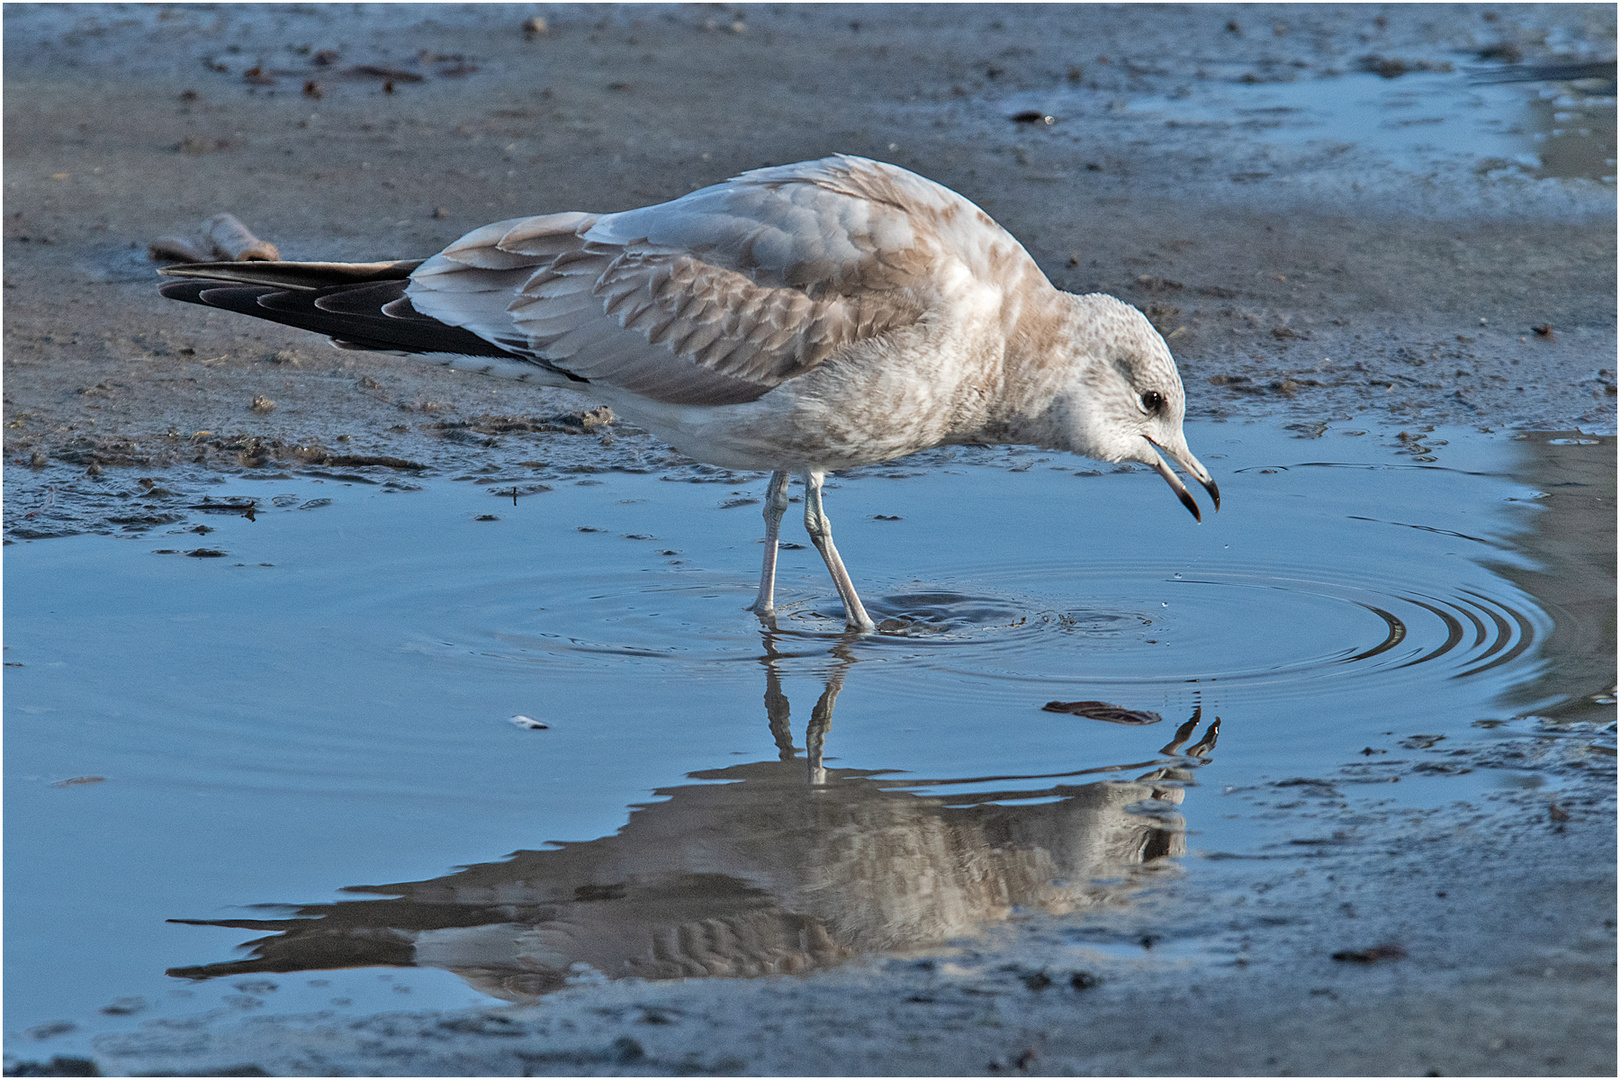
(578,312)
(716,298)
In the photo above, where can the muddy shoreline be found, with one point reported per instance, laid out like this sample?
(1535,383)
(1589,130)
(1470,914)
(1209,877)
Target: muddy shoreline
(1297,287)
(1415,299)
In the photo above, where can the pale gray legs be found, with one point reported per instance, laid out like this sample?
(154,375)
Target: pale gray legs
(820,530)
(776,504)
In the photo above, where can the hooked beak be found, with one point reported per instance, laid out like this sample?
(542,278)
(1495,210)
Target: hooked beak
(1194,469)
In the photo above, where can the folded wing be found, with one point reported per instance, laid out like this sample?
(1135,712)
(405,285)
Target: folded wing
(715,298)
(719,296)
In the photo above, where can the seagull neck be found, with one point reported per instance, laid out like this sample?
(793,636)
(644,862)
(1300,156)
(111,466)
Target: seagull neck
(1044,339)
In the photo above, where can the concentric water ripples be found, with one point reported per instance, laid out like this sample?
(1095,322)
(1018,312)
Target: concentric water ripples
(1266,630)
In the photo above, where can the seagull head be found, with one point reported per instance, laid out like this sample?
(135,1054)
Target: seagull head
(1124,401)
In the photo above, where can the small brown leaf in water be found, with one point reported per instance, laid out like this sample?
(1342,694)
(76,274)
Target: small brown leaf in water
(1102,710)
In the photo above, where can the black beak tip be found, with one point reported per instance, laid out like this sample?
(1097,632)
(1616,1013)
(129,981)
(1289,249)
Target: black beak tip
(1214,493)
(1191,505)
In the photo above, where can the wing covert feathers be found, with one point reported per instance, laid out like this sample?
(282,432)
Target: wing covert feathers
(714,298)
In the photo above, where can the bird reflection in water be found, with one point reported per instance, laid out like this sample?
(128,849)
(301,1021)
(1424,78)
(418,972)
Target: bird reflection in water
(771,867)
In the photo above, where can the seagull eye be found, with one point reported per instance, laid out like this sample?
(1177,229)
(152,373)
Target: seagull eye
(1152,401)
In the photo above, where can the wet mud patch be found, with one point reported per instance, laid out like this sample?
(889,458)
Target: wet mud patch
(95,483)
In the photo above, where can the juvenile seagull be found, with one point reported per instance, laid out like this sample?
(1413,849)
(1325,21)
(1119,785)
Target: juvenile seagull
(796,319)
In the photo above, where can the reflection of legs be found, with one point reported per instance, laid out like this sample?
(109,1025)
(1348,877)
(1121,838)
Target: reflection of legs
(776,709)
(776,504)
(815,737)
(820,530)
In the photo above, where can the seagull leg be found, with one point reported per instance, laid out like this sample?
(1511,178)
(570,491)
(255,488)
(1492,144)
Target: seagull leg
(776,504)
(820,530)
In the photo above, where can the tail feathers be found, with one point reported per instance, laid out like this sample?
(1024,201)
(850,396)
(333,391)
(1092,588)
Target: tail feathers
(294,275)
(357,305)
(357,319)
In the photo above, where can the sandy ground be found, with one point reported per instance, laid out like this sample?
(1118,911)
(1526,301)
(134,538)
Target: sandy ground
(1295,288)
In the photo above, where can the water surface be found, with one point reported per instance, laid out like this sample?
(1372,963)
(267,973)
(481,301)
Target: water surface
(307,741)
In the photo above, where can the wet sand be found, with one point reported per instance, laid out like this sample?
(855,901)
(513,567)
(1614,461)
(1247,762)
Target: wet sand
(1302,287)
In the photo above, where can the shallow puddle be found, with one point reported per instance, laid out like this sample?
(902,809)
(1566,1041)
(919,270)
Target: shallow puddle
(322,717)
(1367,124)
(1539,128)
